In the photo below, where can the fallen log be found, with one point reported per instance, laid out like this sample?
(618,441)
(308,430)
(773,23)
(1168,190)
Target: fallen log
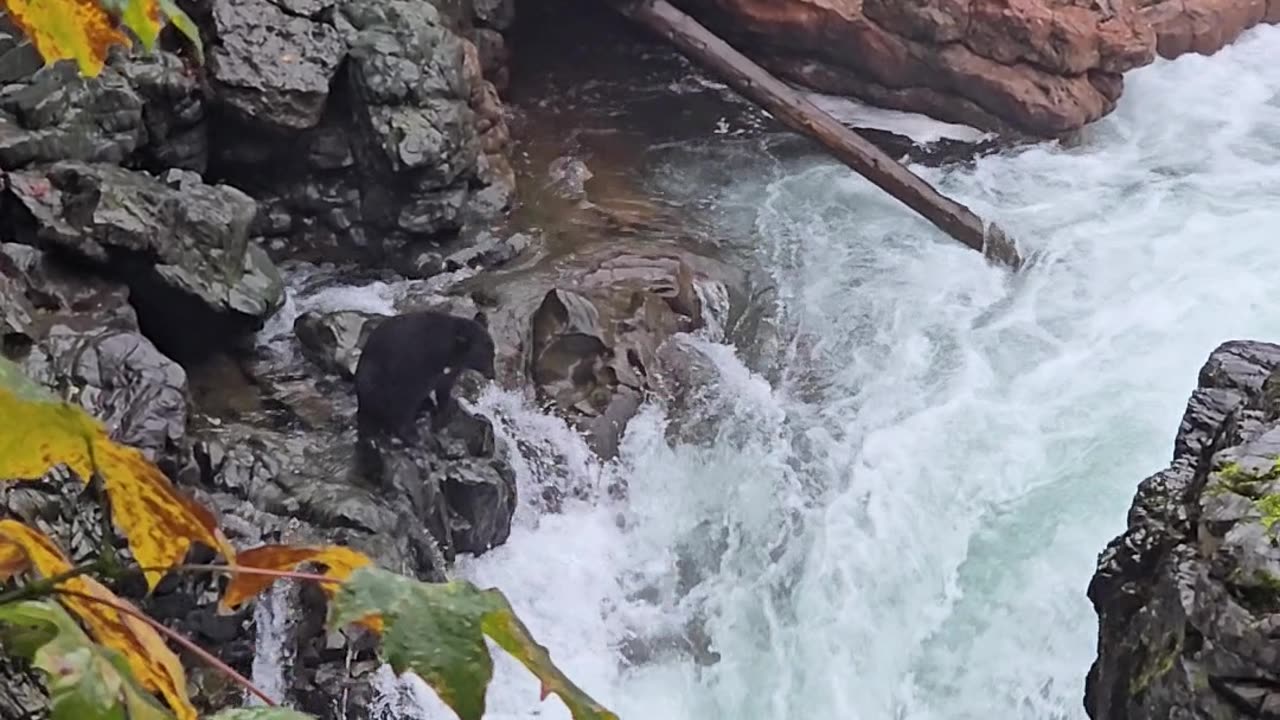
(796,112)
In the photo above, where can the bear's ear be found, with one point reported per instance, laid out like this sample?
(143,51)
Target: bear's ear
(482,319)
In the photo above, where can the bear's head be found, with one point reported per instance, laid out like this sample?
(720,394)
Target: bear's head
(474,346)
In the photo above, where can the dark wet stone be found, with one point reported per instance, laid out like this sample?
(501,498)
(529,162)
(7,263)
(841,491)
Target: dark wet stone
(271,66)
(182,246)
(587,328)
(1188,596)
(56,114)
(333,340)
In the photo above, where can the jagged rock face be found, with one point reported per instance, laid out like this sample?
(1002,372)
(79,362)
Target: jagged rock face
(376,136)
(1041,67)
(280,468)
(333,341)
(1036,66)
(1188,598)
(182,246)
(1203,26)
(585,330)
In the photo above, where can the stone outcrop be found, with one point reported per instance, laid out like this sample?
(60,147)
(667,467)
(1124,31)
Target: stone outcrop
(1188,598)
(182,246)
(1040,67)
(1203,26)
(139,212)
(585,331)
(275,464)
(367,129)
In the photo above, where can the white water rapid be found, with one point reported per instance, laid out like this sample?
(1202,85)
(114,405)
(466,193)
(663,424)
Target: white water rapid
(905,526)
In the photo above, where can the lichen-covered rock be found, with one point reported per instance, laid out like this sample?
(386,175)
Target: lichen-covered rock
(1189,596)
(173,112)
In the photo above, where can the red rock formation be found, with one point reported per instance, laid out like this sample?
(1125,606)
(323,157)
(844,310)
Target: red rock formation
(1042,67)
(1204,26)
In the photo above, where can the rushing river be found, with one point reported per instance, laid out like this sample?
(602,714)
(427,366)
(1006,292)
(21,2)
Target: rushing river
(904,525)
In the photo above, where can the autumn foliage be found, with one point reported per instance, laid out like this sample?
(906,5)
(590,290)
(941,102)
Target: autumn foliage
(114,671)
(86,30)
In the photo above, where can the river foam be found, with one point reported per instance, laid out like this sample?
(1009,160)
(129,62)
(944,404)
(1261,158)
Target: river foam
(905,526)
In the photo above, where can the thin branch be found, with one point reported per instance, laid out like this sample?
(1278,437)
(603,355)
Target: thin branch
(177,637)
(233,569)
(47,586)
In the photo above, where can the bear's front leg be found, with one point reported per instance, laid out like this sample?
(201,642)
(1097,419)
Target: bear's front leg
(444,405)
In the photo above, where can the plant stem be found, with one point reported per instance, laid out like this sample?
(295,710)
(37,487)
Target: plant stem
(47,586)
(233,569)
(177,637)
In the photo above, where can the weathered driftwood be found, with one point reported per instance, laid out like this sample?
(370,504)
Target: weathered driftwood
(795,111)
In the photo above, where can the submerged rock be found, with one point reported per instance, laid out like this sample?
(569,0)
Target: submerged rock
(1188,598)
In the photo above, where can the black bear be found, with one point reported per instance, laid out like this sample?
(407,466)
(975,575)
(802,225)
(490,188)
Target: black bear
(406,358)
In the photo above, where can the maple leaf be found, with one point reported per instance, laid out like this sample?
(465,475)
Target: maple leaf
(339,561)
(437,630)
(68,29)
(41,432)
(151,661)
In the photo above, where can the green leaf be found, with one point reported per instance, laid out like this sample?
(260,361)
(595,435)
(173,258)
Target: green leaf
(86,681)
(140,16)
(24,388)
(262,713)
(437,630)
(185,25)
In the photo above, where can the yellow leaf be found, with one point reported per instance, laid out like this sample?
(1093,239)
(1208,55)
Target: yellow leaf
(159,522)
(39,435)
(61,29)
(339,561)
(13,560)
(154,665)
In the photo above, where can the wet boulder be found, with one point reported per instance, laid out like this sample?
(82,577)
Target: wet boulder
(271,63)
(460,480)
(182,246)
(586,329)
(56,114)
(1189,595)
(394,139)
(333,340)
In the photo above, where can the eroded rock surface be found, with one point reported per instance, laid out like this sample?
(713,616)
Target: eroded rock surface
(1041,67)
(1188,598)
(586,330)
